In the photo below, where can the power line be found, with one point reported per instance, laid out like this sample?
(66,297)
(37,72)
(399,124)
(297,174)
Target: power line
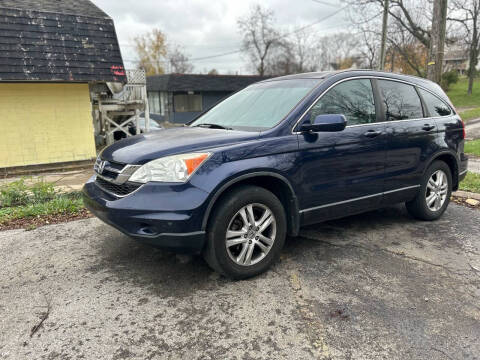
(278,38)
(215,56)
(324,3)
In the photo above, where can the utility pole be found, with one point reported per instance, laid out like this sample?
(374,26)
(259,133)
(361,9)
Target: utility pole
(384,35)
(437,41)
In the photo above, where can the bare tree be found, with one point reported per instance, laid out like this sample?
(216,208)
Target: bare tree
(413,15)
(336,51)
(294,54)
(259,37)
(466,13)
(408,35)
(365,17)
(282,61)
(304,45)
(178,61)
(437,41)
(406,53)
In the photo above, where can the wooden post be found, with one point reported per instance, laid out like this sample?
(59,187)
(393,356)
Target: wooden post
(384,36)
(137,130)
(437,41)
(147,109)
(108,134)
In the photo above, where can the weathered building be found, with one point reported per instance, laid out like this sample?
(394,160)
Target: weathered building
(179,98)
(51,52)
(457,58)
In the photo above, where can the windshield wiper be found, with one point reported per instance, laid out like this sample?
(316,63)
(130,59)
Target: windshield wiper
(214,126)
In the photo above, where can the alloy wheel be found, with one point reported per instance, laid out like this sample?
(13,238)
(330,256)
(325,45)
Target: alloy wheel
(437,188)
(251,234)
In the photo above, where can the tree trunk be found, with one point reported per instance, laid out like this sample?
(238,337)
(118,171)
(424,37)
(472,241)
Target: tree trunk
(437,41)
(471,70)
(393,61)
(261,68)
(384,36)
(473,53)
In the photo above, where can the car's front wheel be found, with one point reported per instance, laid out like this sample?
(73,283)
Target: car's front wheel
(246,232)
(434,195)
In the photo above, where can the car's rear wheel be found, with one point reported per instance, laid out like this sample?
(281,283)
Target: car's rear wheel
(246,232)
(434,195)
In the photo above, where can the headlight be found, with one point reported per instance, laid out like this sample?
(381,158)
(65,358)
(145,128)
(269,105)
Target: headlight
(176,168)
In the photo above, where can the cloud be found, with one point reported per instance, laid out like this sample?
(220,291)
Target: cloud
(206,27)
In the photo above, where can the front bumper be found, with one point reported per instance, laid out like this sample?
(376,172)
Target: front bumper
(162,215)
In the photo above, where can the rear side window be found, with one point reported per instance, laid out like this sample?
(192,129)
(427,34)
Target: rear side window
(401,100)
(435,106)
(352,98)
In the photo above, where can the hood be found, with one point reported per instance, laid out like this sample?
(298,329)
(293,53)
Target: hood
(142,148)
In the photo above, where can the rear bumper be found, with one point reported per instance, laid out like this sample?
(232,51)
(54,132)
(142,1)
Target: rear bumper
(149,216)
(462,167)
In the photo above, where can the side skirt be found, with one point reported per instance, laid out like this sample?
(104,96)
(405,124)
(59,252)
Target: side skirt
(357,205)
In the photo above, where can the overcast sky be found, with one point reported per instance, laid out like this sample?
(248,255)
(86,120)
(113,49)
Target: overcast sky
(209,27)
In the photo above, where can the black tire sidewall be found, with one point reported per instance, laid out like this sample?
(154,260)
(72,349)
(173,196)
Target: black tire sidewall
(221,219)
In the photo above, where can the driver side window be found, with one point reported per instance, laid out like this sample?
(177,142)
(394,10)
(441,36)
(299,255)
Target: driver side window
(352,98)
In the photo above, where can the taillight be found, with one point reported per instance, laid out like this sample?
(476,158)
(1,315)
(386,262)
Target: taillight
(463,124)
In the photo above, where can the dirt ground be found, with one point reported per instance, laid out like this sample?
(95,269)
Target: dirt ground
(375,286)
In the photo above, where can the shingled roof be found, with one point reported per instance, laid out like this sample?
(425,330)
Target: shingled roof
(196,82)
(58,40)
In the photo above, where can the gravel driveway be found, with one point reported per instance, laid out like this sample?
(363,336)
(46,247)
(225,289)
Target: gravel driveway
(375,286)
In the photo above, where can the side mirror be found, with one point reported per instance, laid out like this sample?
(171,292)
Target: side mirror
(326,123)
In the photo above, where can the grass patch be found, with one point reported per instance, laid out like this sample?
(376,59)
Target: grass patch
(471,183)
(458,94)
(472,147)
(62,204)
(470,114)
(20,200)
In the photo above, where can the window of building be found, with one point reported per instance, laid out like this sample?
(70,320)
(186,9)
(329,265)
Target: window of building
(154,104)
(187,103)
(401,100)
(352,98)
(435,106)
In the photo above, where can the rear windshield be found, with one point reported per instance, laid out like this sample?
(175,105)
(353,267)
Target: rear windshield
(259,106)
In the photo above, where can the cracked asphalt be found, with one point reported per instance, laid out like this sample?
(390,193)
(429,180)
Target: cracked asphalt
(374,286)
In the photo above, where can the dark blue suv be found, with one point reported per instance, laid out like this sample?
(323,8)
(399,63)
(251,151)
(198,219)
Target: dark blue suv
(280,154)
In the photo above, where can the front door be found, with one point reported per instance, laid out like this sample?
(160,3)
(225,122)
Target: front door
(342,172)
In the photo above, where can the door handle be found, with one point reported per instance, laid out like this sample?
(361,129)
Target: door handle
(372,133)
(428,127)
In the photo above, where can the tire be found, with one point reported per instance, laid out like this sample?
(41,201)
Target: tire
(232,214)
(418,207)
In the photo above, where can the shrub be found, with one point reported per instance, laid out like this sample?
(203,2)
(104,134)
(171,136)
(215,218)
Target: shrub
(14,194)
(42,192)
(449,78)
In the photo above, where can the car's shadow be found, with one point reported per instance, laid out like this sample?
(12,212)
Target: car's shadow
(123,259)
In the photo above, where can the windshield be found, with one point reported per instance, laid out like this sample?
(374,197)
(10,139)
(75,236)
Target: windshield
(257,107)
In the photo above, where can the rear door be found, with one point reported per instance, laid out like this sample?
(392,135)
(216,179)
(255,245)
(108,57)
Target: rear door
(342,172)
(411,138)
(450,127)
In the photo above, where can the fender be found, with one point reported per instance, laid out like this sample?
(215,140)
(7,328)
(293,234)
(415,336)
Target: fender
(293,215)
(457,167)
(440,153)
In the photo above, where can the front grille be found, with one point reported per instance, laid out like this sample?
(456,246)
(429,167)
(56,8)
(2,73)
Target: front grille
(109,174)
(115,165)
(118,190)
